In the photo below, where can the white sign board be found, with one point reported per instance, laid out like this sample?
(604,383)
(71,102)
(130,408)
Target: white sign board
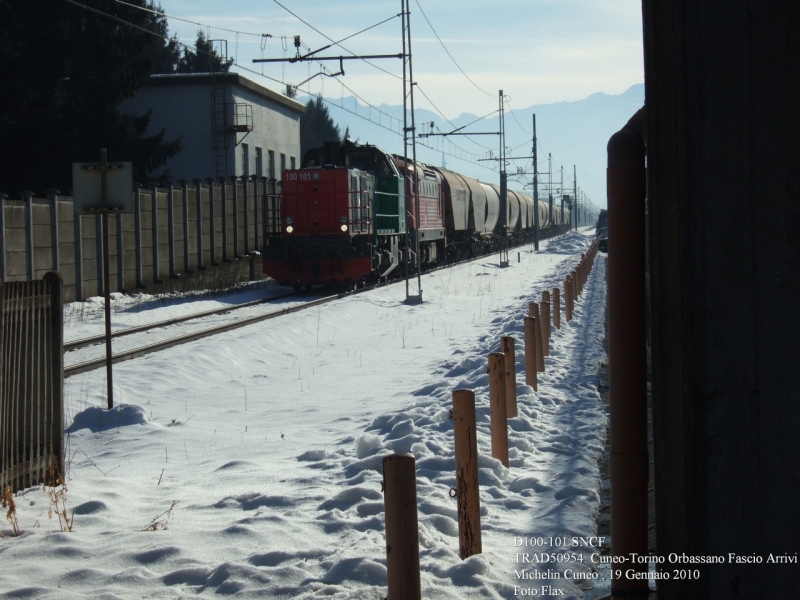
(86,190)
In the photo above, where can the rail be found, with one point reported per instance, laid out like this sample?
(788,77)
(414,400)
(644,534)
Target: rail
(98,339)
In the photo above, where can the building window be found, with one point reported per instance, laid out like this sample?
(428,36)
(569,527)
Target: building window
(259,162)
(291,162)
(272,164)
(283,164)
(245,160)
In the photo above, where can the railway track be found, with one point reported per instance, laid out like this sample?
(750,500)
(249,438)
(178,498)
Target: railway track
(143,350)
(136,352)
(99,339)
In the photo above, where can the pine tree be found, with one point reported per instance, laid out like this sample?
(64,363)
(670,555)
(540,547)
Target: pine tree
(63,86)
(317,126)
(203,59)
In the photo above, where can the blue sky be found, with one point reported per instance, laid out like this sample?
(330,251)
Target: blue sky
(536,51)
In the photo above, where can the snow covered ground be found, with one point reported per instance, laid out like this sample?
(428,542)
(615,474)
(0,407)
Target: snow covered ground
(266,444)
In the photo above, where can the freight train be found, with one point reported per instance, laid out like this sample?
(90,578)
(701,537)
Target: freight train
(349,216)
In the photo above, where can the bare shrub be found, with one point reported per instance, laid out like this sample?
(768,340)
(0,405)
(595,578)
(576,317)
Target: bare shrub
(161,522)
(7,503)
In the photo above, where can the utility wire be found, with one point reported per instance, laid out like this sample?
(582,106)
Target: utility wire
(263,36)
(335,43)
(451,123)
(163,14)
(511,110)
(308,92)
(307,24)
(384,70)
(363,30)
(448,51)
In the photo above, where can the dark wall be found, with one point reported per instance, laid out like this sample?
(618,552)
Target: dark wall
(724,196)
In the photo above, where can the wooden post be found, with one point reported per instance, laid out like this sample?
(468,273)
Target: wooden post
(556,308)
(576,288)
(530,353)
(546,328)
(533,310)
(584,271)
(402,536)
(499,409)
(568,299)
(545,310)
(507,347)
(466,491)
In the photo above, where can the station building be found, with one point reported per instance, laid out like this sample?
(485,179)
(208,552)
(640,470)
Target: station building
(229,125)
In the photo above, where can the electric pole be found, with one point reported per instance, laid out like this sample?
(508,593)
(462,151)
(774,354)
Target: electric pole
(503,186)
(408,97)
(562,195)
(574,205)
(535,189)
(550,186)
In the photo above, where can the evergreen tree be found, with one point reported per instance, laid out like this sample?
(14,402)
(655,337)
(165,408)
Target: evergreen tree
(203,59)
(317,126)
(66,70)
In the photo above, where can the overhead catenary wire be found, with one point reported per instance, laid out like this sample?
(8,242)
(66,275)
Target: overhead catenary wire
(448,51)
(507,100)
(254,72)
(335,43)
(451,123)
(163,14)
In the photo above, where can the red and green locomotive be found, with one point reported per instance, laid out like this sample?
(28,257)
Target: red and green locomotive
(343,218)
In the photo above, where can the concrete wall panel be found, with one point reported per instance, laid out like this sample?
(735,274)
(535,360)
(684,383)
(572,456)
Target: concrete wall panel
(15,241)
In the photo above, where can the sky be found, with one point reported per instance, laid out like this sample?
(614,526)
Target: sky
(536,51)
(249,463)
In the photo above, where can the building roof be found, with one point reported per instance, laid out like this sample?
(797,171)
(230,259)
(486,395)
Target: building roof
(169,79)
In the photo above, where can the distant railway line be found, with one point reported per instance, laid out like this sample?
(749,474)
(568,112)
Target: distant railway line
(143,349)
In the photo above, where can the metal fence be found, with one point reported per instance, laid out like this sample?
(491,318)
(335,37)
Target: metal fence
(31,381)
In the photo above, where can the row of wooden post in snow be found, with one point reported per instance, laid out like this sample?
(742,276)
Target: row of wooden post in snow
(399,470)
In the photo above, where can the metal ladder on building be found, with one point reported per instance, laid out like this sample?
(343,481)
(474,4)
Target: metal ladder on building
(219,110)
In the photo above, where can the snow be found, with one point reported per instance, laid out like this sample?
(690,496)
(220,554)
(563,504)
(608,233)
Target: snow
(269,441)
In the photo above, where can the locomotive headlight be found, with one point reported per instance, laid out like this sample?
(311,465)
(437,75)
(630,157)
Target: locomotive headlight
(289,229)
(344,227)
